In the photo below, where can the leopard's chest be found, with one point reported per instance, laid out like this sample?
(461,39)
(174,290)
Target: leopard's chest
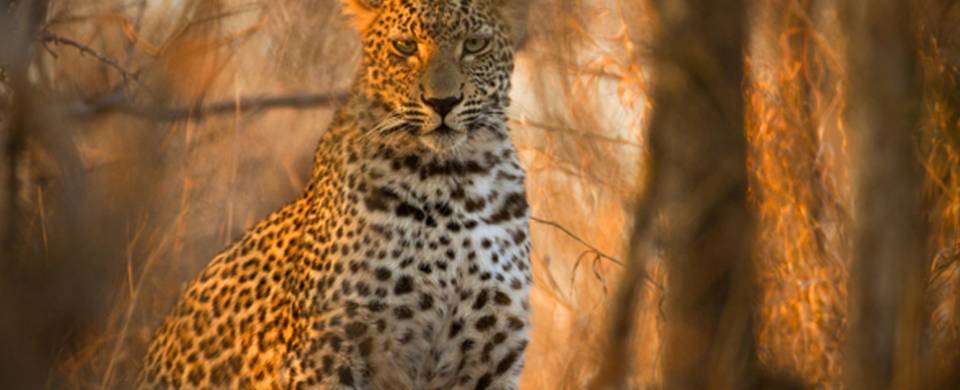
(426,282)
(414,282)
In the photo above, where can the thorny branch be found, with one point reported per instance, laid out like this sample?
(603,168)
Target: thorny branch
(48,37)
(600,254)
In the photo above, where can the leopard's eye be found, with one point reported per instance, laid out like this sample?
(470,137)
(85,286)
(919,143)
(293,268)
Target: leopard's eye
(475,45)
(407,47)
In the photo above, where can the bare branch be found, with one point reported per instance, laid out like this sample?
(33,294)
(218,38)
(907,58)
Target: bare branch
(577,239)
(117,103)
(592,249)
(576,132)
(50,37)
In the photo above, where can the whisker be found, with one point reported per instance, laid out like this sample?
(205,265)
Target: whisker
(472,111)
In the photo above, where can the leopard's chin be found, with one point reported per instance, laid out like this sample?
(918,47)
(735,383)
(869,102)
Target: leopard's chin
(443,139)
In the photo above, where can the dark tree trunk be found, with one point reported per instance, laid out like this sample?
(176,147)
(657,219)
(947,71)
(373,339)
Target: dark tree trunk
(890,259)
(49,293)
(696,205)
(699,185)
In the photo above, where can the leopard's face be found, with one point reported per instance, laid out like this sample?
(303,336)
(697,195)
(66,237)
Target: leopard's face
(441,67)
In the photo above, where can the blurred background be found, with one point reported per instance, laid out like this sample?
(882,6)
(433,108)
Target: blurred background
(142,137)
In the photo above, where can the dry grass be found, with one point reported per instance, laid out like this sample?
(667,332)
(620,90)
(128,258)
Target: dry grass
(159,198)
(940,46)
(800,188)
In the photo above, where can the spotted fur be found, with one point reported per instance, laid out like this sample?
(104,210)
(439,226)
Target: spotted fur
(405,263)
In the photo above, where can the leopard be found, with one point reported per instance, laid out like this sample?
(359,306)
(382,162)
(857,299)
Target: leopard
(405,262)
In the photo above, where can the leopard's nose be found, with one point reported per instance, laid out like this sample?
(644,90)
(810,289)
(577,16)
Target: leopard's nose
(442,106)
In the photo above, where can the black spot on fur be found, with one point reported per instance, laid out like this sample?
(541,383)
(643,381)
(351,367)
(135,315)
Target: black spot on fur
(486,322)
(345,376)
(455,328)
(481,300)
(383,274)
(501,299)
(404,285)
(406,210)
(507,362)
(426,302)
(356,330)
(403,312)
(484,382)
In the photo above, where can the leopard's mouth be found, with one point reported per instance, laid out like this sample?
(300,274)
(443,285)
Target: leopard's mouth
(443,129)
(443,138)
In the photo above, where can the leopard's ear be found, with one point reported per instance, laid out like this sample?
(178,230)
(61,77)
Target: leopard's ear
(361,13)
(514,13)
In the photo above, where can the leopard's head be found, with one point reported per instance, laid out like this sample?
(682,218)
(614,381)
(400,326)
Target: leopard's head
(440,67)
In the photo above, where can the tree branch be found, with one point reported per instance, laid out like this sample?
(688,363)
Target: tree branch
(576,132)
(49,37)
(592,248)
(117,103)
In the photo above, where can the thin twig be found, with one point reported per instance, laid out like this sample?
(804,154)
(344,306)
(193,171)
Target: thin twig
(576,132)
(47,36)
(600,254)
(200,112)
(578,239)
